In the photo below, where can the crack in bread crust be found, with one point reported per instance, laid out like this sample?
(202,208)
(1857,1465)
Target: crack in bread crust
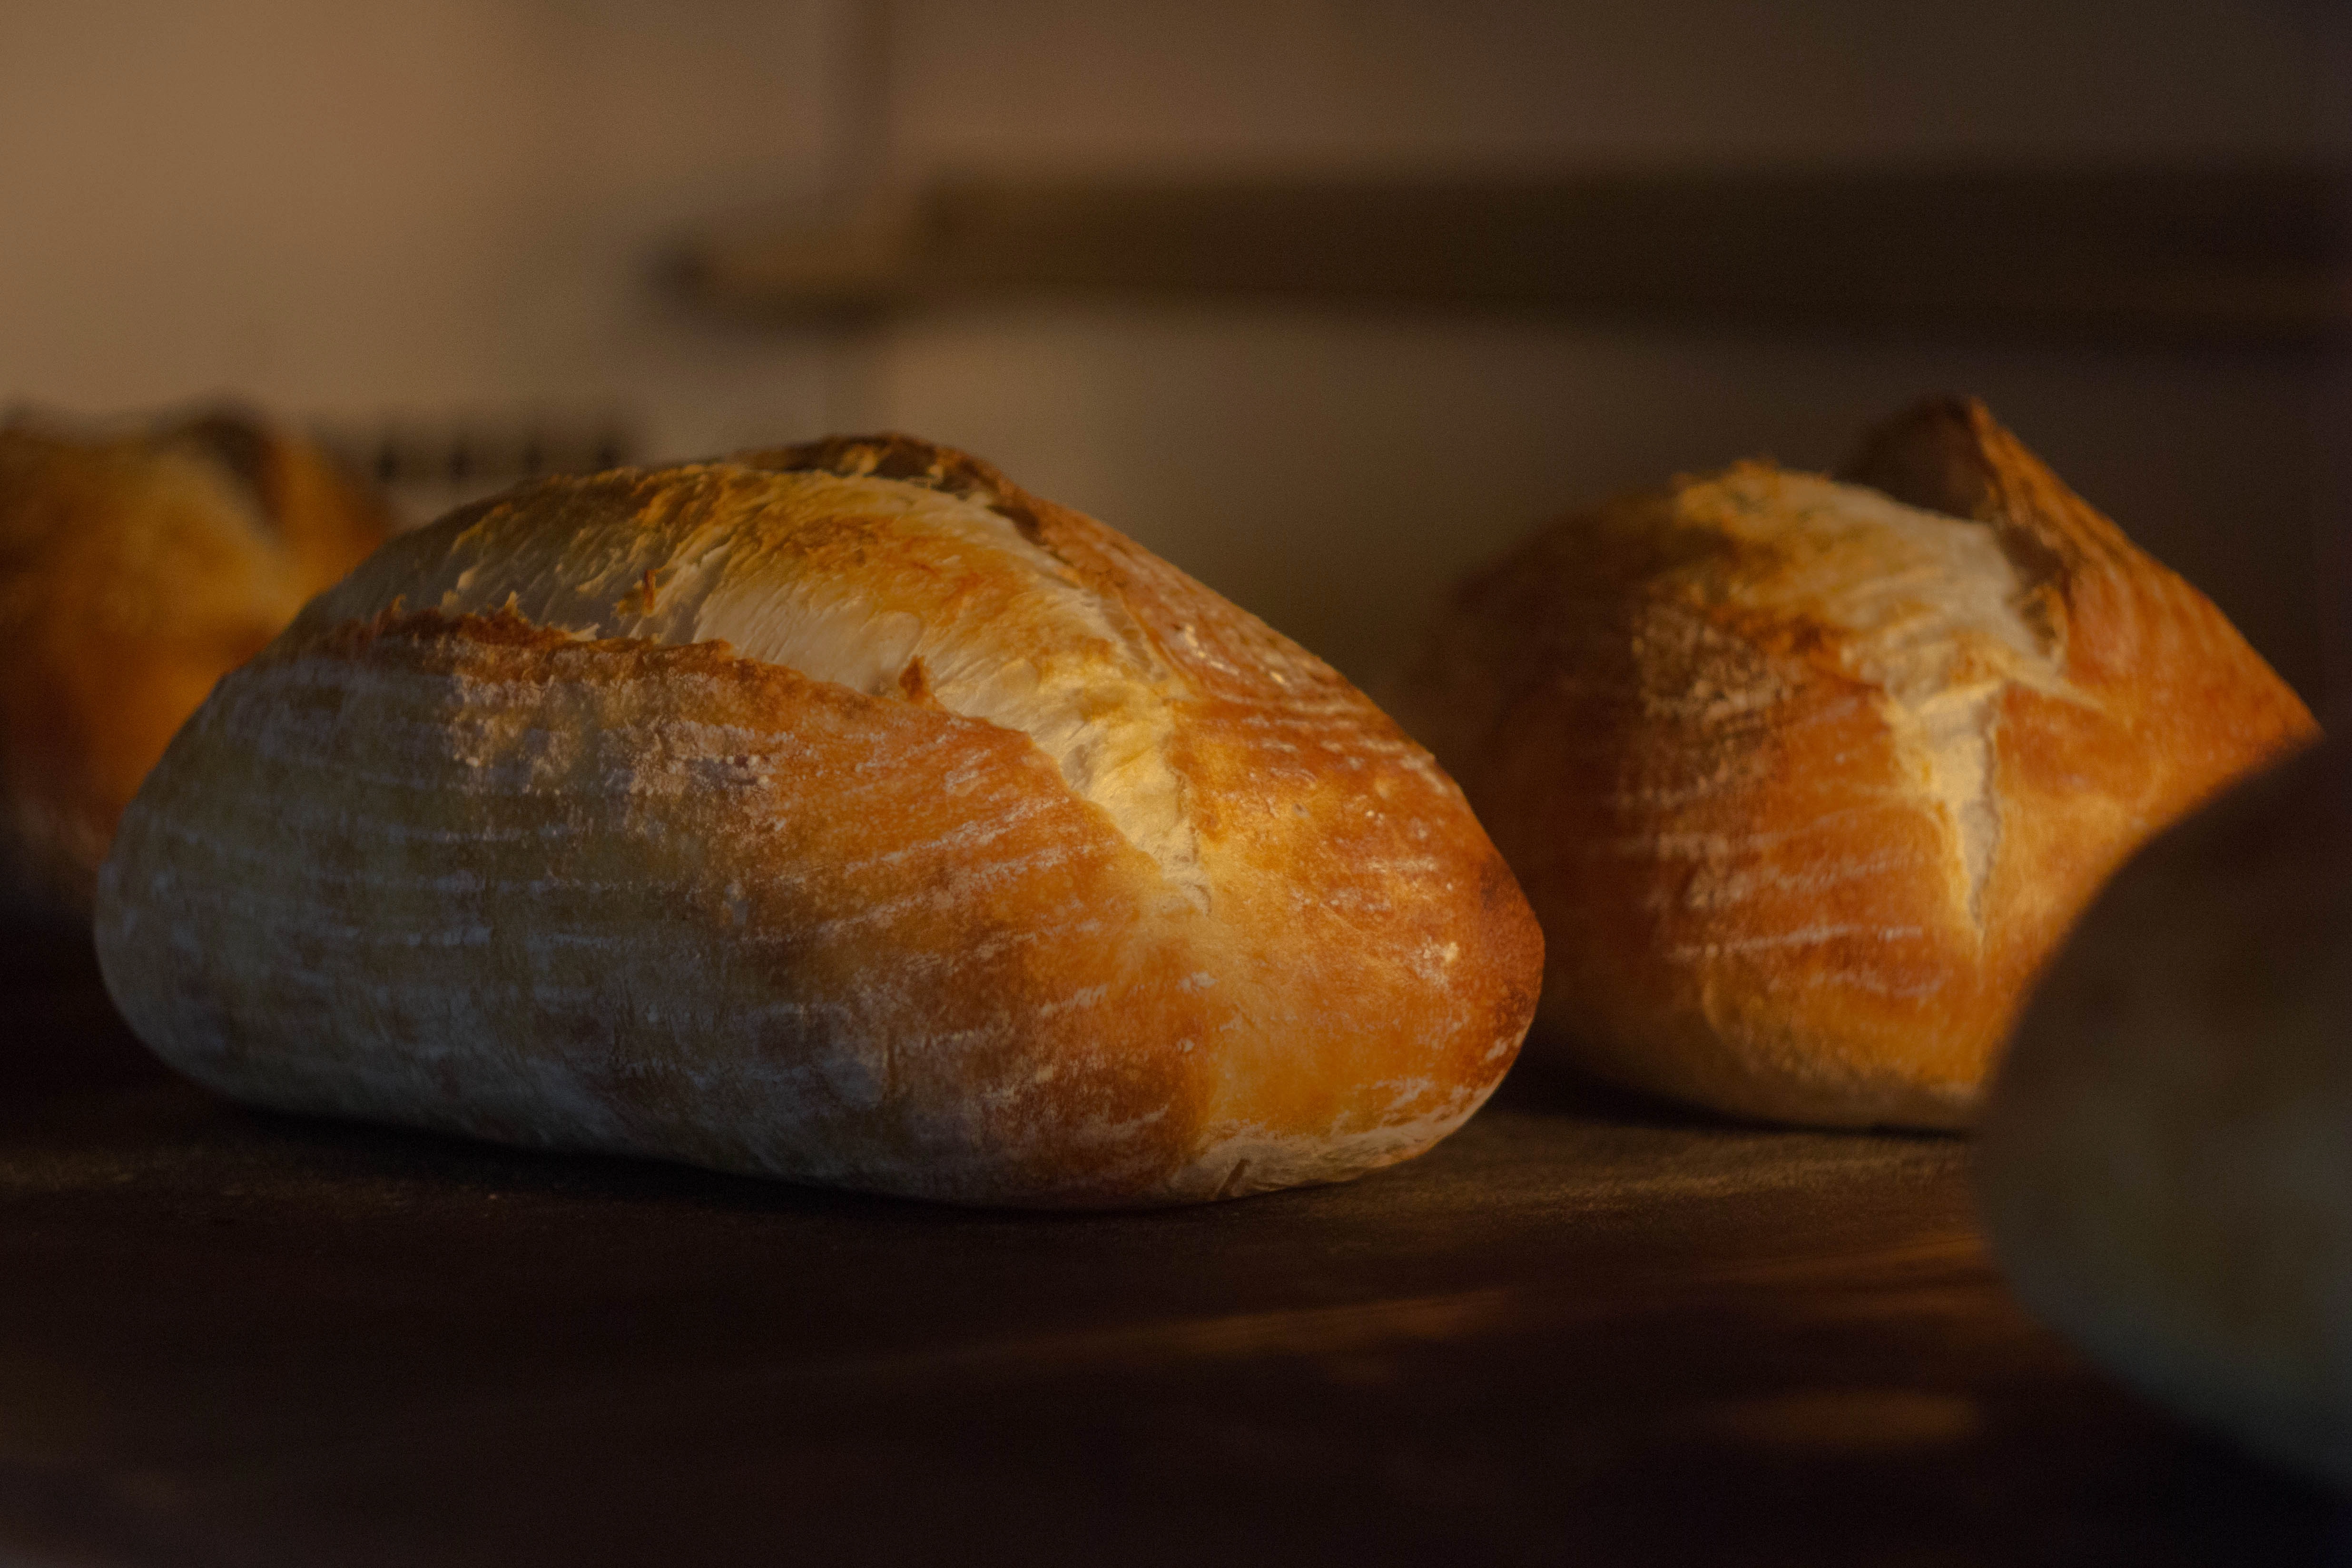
(851,578)
(1927,610)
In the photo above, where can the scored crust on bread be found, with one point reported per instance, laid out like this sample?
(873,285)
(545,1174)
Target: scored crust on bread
(1806,777)
(840,813)
(136,568)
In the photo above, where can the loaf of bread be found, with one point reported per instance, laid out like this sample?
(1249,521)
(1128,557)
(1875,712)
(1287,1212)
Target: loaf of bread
(2166,1160)
(1806,778)
(136,569)
(840,814)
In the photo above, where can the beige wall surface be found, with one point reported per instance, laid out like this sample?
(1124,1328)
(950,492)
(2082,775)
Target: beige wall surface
(356,211)
(351,210)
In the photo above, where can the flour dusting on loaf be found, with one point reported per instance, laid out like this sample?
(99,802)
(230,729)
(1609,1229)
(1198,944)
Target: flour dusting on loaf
(1806,777)
(764,561)
(842,813)
(1924,610)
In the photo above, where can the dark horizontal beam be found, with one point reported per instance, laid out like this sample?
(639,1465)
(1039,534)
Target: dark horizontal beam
(2244,254)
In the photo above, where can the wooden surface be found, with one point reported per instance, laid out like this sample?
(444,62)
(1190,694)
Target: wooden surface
(2223,254)
(1583,1332)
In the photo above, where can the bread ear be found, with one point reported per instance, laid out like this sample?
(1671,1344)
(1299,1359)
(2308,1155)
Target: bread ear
(2120,615)
(1949,455)
(909,458)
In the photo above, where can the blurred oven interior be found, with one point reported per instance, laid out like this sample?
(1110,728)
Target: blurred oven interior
(441,231)
(1326,301)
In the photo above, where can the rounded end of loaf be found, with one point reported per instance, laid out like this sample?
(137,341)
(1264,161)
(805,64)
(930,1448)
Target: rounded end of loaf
(840,814)
(1806,778)
(141,566)
(2162,1166)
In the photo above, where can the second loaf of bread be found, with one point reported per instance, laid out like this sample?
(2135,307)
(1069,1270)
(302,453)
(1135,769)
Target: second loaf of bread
(843,814)
(1806,779)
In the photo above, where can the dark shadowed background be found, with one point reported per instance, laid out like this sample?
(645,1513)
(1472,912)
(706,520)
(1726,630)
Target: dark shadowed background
(465,216)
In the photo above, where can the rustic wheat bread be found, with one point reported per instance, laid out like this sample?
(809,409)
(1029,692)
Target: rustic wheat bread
(840,814)
(1806,777)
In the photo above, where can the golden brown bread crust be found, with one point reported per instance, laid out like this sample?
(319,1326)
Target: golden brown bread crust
(2166,1160)
(134,571)
(1805,786)
(493,869)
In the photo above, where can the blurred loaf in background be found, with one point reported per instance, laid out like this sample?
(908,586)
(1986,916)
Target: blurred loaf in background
(137,568)
(2166,1160)
(1806,778)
